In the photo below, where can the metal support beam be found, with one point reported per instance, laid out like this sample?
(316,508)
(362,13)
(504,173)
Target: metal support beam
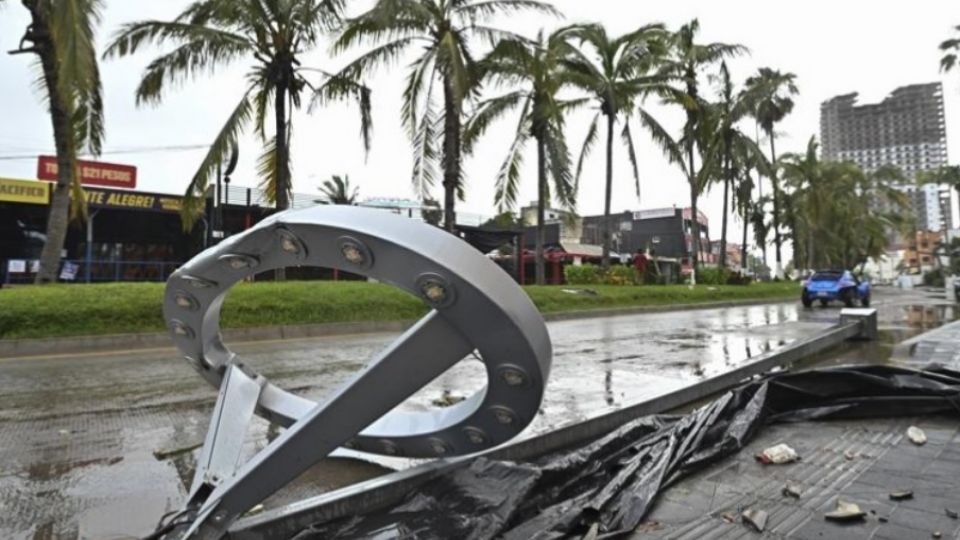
(281,523)
(478,310)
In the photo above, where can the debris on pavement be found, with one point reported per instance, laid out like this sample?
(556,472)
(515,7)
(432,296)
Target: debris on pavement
(447,399)
(916,435)
(728,517)
(791,490)
(883,519)
(846,511)
(952,514)
(901,495)
(581,292)
(849,455)
(778,455)
(756,518)
(937,534)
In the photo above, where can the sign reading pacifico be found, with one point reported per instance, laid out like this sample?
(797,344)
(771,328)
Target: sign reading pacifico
(92,173)
(24,191)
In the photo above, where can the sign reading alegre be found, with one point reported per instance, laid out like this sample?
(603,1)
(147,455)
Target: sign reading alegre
(24,191)
(134,201)
(92,173)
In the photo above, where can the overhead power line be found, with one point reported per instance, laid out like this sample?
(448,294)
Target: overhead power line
(134,150)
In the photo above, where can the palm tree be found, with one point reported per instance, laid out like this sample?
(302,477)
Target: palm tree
(684,63)
(615,73)
(737,151)
(441,31)
(774,102)
(702,135)
(951,52)
(337,190)
(62,38)
(743,196)
(535,68)
(275,35)
(759,224)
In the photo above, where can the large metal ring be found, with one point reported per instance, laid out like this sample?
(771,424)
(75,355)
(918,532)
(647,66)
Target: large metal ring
(475,305)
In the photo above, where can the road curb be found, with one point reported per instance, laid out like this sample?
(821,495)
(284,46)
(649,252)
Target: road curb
(25,348)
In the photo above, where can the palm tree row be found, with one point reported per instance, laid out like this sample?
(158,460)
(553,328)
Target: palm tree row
(445,109)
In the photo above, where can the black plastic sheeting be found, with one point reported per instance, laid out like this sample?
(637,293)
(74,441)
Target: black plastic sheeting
(614,480)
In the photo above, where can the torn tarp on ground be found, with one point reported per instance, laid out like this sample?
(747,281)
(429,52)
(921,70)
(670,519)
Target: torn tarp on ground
(613,480)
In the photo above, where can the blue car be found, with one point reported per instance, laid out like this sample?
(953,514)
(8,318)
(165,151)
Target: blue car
(828,285)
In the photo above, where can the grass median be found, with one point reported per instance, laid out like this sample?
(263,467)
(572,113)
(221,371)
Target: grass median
(125,308)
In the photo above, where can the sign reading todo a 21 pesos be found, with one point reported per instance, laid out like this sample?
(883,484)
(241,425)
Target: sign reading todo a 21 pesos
(92,173)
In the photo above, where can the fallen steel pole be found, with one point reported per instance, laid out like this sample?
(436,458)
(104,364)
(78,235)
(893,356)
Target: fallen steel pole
(379,492)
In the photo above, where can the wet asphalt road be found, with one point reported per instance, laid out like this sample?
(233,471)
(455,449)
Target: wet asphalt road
(80,435)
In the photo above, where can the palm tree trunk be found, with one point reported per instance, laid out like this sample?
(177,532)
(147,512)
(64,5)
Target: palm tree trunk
(541,207)
(726,197)
(746,228)
(778,273)
(59,214)
(694,222)
(283,171)
(607,233)
(451,155)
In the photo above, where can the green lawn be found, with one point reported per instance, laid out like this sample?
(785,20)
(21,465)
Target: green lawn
(121,308)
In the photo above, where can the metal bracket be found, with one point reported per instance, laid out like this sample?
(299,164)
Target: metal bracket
(477,307)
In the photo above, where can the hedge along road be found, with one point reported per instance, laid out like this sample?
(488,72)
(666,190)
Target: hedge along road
(126,308)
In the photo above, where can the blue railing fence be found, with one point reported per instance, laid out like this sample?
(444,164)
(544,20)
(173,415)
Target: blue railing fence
(19,271)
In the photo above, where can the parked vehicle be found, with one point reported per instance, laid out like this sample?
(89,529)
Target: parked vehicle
(826,286)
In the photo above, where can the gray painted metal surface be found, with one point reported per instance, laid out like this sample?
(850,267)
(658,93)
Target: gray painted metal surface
(280,523)
(477,310)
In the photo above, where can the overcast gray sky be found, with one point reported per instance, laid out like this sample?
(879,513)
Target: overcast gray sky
(834,47)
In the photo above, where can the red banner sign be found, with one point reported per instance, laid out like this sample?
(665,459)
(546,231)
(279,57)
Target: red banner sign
(92,173)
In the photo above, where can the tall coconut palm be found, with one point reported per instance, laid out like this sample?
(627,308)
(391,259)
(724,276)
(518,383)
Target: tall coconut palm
(702,136)
(535,70)
(951,52)
(337,190)
(684,63)
(61,35)
(617,73)
(441,31)
(275,35)
(743,196)
(774,92)
(737,151)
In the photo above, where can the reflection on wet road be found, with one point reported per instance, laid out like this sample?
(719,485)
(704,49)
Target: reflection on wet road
(78,436)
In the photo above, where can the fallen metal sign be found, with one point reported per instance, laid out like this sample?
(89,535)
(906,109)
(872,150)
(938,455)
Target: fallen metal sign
(477,310)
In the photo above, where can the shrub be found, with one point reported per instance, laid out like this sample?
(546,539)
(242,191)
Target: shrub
(587,274)
(934,278)
(712,276)
(620,275)
(737,278)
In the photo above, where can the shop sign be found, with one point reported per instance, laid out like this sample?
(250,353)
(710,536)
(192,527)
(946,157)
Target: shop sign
(133,200)
(24,191)
(92,173)
(15,266)
(654,214)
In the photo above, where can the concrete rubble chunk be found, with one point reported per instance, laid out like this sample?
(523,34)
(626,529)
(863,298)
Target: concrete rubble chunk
(901,495)
(756,518)
(778,455)
(846,511)
(916,435)
(791,490)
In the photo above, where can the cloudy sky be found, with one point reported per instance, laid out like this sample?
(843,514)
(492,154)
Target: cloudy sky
(834,47)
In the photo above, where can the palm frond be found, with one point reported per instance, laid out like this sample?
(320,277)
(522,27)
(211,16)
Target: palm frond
(425,151)
(671,147)
(338,87)
(632,153)
(486,113)
(588,143)
(221,147)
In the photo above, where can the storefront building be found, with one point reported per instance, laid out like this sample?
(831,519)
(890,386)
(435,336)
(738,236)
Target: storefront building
(129,235)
